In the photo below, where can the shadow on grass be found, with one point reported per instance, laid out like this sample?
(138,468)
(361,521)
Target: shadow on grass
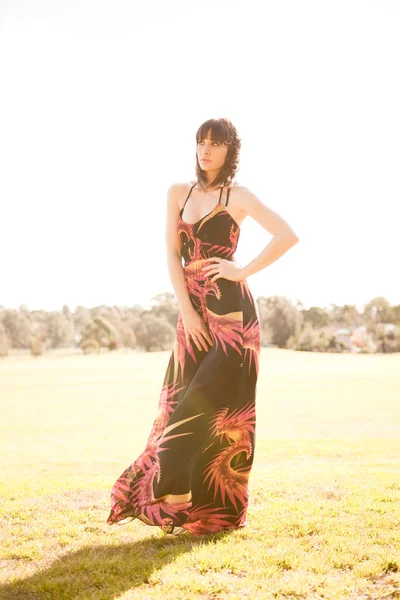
(104,571)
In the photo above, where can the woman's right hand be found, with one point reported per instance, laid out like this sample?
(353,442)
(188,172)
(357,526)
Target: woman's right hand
(196,329)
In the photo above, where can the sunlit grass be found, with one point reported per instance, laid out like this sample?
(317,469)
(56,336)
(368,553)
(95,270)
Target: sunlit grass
(324,516)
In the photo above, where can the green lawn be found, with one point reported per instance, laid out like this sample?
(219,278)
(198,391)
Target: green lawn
(324,514)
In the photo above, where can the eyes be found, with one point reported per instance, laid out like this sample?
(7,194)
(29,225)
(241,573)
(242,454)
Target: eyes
(217,143)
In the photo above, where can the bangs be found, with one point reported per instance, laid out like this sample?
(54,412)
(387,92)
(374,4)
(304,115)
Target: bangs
(219,131)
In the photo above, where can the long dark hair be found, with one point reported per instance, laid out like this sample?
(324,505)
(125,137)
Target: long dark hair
(222,130)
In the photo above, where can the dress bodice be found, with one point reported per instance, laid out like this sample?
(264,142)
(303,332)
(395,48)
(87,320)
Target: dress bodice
(215,234)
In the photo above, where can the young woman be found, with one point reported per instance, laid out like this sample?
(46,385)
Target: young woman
(193,474)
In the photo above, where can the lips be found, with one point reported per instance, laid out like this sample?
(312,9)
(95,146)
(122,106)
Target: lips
(205,160)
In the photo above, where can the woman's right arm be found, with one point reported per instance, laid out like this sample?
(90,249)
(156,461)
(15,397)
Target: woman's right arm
(193,324)
(174,256)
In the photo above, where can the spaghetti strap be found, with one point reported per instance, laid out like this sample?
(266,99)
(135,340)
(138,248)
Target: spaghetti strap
(227,196)
(187,197)
(190,191)
(220,194)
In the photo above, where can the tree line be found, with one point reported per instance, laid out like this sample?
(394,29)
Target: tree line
(284,324)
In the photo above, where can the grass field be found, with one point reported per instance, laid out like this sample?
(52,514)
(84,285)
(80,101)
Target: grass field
(324,514)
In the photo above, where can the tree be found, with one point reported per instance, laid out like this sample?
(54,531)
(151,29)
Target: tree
(165,305)
(18,327)
(60,330)
(154,333)
(378,310)
(4,341)
(281,317)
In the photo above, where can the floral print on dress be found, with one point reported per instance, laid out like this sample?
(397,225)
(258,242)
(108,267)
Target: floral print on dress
(194,471)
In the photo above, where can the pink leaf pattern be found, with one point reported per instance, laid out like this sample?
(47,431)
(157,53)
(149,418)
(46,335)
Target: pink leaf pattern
(237,427)
(194,471)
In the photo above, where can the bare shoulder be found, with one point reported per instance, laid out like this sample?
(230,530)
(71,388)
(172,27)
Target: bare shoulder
(174,197)
(178,187)
(177,191)
(244,199)
(239,195)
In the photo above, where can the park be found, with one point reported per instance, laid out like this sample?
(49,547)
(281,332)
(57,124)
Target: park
(324,510)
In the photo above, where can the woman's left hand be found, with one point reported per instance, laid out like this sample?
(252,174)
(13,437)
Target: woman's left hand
(223,268)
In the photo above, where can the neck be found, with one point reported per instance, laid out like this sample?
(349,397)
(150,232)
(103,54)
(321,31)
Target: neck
(209,189)
(210,186)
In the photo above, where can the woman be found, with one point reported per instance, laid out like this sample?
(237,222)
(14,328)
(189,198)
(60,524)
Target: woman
(193,474)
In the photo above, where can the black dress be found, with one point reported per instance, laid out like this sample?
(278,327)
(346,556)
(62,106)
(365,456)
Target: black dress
(194,470)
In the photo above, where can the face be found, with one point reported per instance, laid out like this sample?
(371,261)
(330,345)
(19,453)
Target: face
(211,154)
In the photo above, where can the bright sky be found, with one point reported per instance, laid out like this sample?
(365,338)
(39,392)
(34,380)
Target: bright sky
(99,107)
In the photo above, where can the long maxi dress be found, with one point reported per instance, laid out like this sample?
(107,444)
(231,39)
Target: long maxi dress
(194,471)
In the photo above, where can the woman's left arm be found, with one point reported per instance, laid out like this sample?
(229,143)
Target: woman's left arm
(284,236)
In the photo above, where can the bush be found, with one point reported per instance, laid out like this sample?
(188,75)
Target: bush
(90,346)
(37,346)
(313,340)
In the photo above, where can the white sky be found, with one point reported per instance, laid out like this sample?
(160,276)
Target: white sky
(99,107)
